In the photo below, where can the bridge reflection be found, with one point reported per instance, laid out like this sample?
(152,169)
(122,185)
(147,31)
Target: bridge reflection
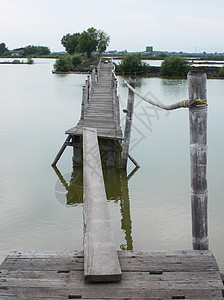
(116,185)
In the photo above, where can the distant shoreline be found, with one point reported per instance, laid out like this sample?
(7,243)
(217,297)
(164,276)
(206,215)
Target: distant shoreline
(12,63)
(211,71)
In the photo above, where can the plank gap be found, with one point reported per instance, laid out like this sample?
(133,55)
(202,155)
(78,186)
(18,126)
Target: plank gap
(155,273)
(74,297)
(178,297)
(63,271)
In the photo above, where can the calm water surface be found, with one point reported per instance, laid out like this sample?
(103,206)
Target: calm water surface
(41,208)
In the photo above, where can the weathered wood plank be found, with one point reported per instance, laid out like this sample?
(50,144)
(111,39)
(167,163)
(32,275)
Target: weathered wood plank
(52,275)
(95,292)
(101,260)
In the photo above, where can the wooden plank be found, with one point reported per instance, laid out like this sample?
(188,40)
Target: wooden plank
(45,275)
(100,256)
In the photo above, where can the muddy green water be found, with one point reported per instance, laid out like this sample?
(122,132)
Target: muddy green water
(41,208)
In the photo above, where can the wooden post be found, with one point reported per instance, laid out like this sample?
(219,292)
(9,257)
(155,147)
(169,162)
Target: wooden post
(83,102)
(77,156)
(126,223)
(88,88)
(128,124)
(93,80)
(111,156)
(198,153)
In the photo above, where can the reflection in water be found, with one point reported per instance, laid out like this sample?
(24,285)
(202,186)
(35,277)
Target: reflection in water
(139,80)
(73,191)
(116,185)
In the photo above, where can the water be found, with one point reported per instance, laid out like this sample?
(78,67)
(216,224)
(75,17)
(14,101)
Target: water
(41,208)
(197,63)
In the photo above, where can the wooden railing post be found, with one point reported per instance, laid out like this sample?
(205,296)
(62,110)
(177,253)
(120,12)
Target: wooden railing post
(98,70)
(83,102)
(198,153)
(128,124)
(93,81)
(88,88)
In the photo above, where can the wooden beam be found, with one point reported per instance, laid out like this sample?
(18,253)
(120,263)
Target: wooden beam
(198,152)
(61,151)
(100,256)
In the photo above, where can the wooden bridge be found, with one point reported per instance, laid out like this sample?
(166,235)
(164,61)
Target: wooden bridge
(100,272)
(99,110)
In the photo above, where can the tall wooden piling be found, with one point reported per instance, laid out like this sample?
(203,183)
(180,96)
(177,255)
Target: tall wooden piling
(128,124)
(198,153)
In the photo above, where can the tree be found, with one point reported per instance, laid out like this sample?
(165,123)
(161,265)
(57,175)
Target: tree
(221,72)
(86,42)
(30,50)
(132,63)
(70,42)
(103,41)
(36,50)
(3,49)
(63,64)
(68,62)
(175,66)
(93,40)
(76,59)
(42,50)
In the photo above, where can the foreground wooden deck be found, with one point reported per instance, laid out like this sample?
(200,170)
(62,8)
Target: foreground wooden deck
(145,275)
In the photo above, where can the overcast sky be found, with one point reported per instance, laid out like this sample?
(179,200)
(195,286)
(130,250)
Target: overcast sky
(174,25)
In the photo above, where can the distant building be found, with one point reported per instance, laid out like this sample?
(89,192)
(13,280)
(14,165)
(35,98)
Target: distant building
(18,52)
(149,49)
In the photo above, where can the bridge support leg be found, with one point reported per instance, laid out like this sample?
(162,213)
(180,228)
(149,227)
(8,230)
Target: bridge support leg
(61,151)
(128,124)
(111,156)
(77,156)
(198,154)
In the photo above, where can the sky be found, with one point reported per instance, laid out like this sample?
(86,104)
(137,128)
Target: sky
(174,25)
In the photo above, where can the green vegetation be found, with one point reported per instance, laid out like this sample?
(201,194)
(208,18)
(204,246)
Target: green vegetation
(3,49)
(70,42)
(221,72)
(67,62)
(132,63)
(36,50)
(63,64)
(76,59)
(30,61)
(16,62)
(175,66)
(87,42)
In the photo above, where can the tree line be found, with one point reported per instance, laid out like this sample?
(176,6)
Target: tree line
(29,50)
